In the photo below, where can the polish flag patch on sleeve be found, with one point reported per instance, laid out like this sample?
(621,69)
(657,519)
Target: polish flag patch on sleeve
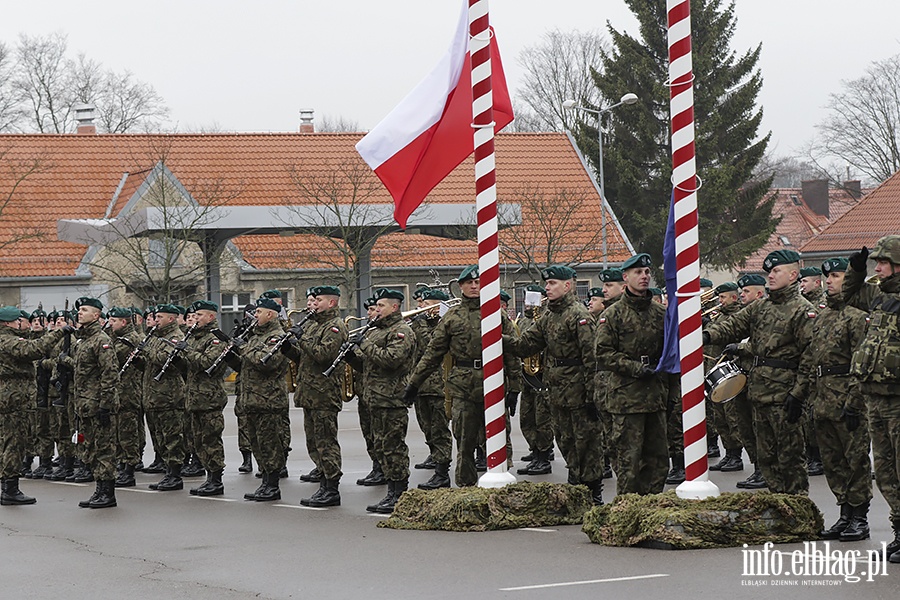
(401,335)
(602,320)
(583,322)
(335,329)
(811,315)
(106,346)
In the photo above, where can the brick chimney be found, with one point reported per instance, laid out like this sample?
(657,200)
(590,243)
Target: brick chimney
(306,120)
(815,194)
(854,188)
(84,116)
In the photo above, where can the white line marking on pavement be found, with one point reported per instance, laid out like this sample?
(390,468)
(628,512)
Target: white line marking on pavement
(70,483)
(371,514)
(538,529)
(216,499)
(134,489)
(568,583)
(300,506)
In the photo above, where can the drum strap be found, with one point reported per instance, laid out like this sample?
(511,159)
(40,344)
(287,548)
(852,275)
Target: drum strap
(762,361)
(823,370)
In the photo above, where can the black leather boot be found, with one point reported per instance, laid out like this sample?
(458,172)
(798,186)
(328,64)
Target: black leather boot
(65,468)
(87,503)
(157,466)
(480,460)
(262,486)
(572,479)
(213,485)
(271,491)
(893,549)
(375,476)
(247,465)
(26,467)
(528,457)
(316,495)
(107,496)
(330,496)
(314,476)
(126,477)
(735,463)
(385,500)
(524,470)
(756,481)
(386,506)
(193,491)
(712,446)
(541,464)
(10,494)
(440,479)
(596,488)
(607,466)
(193,468)
(428,463)
(834,532)
(814,464)
(858,529)
(172,481)
(83,475)
(676,474)
(45,466)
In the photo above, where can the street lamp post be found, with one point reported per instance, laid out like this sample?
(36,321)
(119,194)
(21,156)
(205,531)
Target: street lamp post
(571,105)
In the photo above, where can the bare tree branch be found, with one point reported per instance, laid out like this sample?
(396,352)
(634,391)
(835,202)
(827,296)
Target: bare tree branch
(338,124)
(13,174)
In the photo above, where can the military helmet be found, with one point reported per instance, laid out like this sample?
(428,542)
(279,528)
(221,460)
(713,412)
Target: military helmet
(887,248)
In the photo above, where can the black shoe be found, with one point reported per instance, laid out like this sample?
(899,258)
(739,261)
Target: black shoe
(126,477)
(193,468)
(193,491)
(139,467)
(712,451)
(815,468)
(428,463)
(834,532)
(386,506)
(736,463)
(157,466)
(26,471)
(64,470)
(11,495)
(87,503)
(440,479)
(252,495)
(596,488)
(213,485)
(172,481)
(524,470)
(894,546)
(480,460)
(106,498)
(858,529)
(756,481)
(330,496)
(45,466)
(375,476)
(84,475)
(247,465)
(386,499)
(314,476)
(528,457)
(316,494)
(270,491)
(725,460)
(540,466)
(676,474)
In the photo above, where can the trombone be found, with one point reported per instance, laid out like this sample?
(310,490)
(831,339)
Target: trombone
(411,313)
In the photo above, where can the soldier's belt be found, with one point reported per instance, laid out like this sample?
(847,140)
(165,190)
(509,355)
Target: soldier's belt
(467,364)
(565,362)
(823,370)
(761,361)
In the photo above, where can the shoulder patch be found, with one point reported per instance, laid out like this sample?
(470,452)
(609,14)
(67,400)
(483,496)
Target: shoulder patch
(216,342)
(811,315)
(272,340)
(335,329)
(601,320)
(583,322)
(106,346)
(401,335)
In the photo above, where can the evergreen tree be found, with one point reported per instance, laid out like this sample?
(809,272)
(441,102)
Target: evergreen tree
(735,214)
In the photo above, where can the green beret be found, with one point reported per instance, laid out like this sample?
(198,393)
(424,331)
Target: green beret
(504,296)
(835,265)
(470,272)
(8,314)
(389,294)
(53,315)
(324,290)
(170,309)
(37,314)
(24,314)
(780,257)
(120,312)
(432,294)
(204,305)
(419,294)
(560,272)
(85,301)
(655,291)
(369,302)
(810,272)
(533,287)
(638,260)
(596,293)
(271,294)
(728,286)
(609,275)
(181,309)
(705,283)
(263,302)
(752,279)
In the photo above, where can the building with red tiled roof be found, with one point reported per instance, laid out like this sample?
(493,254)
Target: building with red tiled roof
(53,178)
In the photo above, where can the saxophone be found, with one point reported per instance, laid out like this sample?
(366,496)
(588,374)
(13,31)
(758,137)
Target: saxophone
(533,365)
(347,388)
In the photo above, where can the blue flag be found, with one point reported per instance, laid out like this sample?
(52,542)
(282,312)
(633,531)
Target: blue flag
(670,361)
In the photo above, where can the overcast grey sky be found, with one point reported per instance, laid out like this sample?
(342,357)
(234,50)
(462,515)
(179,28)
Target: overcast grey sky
(250,66)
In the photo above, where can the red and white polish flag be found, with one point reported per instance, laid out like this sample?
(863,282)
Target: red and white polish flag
(429,133)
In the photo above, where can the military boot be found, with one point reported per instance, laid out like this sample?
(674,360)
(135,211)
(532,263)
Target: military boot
(712,446)
(172,481)
(83,475)
(756,481)
(814,464)
(428,463)
(607,466)
(386,506)
(316,495)
(480,460)
(26,471)
(271,490)
(94,496)
(596,488)
(107,496)
(676,474)
(193,491)
(375,476)
(541,464)
(858,529)
(314,476)
(157,466)
(11,495)
(252,495)
(528,457)
(193,468)
(126,477)
(213,485)
(330,497)
(893,549)
(66,467)
(385,500)
(45,466)
(440,479)
(139,466)
(834,532)
(247,465)
(572,478)
(734,463)
(534,459)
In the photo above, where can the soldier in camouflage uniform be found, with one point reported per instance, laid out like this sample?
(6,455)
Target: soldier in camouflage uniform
(565,332)
(811,289)
(317,343)
(376,475)
(459,334)
(534,414)
(780,329)
(157,465)
(837,331)
(629,344)
(239,414)
(130,418)
(278,298)
(42,416)
(876,368)
(17,356)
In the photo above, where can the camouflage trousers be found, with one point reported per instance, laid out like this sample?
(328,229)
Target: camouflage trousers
(130,426)
(639,443)
(739,413)
(267,440)
(321,429)
(467,424)
(723,426)
(153,428)
(99,451)
(243,436)
(675,429)
(845,456)
(284,429)
(206,429)
(62,431)
(41,432)
(365,424)
(780,449)
(13,430)
(389,427)
(169,427)
(433,421)
(809,430)
(535,420)
(188,435)
(580,441)
(884,429)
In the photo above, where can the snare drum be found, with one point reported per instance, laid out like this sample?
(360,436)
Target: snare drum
(724,382)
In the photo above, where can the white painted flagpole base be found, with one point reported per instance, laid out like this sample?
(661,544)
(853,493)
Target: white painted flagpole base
(699,489)
(496,478)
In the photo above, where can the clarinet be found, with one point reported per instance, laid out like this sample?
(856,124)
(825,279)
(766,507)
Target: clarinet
(173,354)
(307,315)
(345,349)
(229,346)
(137,350)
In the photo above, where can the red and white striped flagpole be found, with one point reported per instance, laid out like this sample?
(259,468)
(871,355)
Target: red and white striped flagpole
(687,253)
(497,474)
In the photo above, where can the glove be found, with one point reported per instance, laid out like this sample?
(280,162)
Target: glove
(851,418)
(704,320)
(296,331)
(357,338)
(67,329)
(180,345)
(63,356)
(238,342)
(731,350)
(794,408)
(410,394)
(512,399)
(646,372)
(103,417)
(706,338)
(591,409)
(287,347)
(858,259)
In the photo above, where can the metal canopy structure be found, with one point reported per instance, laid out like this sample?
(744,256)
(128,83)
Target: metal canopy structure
(213,228)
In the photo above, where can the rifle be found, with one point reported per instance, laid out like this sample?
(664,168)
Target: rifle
(241,336)
(137,349)
(307,315)
(63,372)
(173,354)
(345,349)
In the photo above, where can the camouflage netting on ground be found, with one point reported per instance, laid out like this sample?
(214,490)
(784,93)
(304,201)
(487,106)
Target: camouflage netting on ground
(479,509)
(732,519)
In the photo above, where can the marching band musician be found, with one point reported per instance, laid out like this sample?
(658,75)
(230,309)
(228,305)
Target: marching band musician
(534,415)
(131,420)
(376,475)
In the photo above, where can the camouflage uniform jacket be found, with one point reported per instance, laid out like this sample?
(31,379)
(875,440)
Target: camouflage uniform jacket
(715,350)
(565,332)
(318,346)
(629,337)
(876,362)
(387,352)
(168,393)
(424,326)
(837,331)
(459,334)
(131,383)
(780,329)
(263,385)
(17,356)
(205,392)
(816,296)
(96,371)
